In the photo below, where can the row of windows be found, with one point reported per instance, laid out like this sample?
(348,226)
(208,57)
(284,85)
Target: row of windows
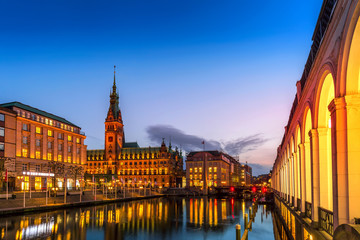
(46,121)
(210,176)
(26,167)
(25,153)
(133,172)
(50,133)
(50,145)
(199,164)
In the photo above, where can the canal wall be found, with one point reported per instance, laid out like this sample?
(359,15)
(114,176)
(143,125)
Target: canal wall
(292,224)
(52,207)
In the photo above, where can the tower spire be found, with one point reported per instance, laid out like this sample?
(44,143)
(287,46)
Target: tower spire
(114,85)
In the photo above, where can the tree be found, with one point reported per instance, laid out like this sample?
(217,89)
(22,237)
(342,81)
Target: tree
(75,171)
(58,169)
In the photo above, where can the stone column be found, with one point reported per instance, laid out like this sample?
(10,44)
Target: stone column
(315,183)
(353,154)
(302,176)
(337,107)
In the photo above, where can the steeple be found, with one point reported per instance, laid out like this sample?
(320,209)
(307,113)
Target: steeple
(114,127)
(114,110)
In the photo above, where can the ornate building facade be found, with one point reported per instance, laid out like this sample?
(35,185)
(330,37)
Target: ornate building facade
(128,163)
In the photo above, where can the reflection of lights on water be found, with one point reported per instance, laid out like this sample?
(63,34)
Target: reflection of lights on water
(36,231)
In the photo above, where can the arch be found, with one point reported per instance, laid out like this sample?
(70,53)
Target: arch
(353,62)
(298,142)
(325,94)
(308,179)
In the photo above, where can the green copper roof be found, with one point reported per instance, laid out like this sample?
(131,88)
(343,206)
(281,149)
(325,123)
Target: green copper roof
(37,111)
(131,145)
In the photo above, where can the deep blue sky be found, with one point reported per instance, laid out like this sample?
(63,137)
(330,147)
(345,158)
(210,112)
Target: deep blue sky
(218,70)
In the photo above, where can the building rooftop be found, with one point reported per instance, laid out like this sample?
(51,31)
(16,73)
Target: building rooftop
(37,111)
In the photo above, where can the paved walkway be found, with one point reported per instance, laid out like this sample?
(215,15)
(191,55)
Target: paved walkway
(38,199)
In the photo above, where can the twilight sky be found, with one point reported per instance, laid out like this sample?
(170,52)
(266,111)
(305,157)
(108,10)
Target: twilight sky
(222,71)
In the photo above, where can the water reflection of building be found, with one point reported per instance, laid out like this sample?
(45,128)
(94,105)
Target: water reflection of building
(43,140)
(132,165)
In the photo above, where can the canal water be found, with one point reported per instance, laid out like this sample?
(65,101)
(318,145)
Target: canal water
(161,218)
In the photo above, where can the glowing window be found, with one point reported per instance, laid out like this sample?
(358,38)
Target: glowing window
(38,130)
(38,154)
(59,157)
(50,133)
(69,138)
(24,152)
(49,156)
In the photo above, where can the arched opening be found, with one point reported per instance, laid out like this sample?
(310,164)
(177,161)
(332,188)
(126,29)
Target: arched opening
(308,179)
(292,168)
(352,124)
(298,142)
(327,94)
(353,65)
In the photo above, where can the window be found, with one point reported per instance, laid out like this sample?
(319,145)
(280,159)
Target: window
(46,121)
(2,132)
(24,152)
(69,159)
(49,156)
(60,147)
(69,148)
(25,140)
(50,133)
(38,154)
(2,146)
(51,122)
(49,145)
(60,136)
(78,151)
(25,127)
(2,117)
(215,169)
(33,117)
(77,140)
(38,142)
(69,138)
(59,157)
(37,168)
(38,130)
(24,167)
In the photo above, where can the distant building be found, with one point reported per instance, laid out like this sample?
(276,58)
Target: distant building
(262,179)
(45,146)
(246,174)
(212,167)
(128,163)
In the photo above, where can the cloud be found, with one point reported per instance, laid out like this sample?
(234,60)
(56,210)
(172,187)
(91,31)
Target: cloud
(190,143)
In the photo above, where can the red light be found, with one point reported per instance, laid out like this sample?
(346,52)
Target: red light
(264,190)
(253,189)
(232,189)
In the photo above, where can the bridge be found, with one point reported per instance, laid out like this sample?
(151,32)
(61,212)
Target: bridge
(316,174)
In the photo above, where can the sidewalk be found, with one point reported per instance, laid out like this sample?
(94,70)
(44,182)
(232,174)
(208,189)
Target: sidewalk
(38,201)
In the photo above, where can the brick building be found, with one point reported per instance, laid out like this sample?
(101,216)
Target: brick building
(212,167)
(45,146)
